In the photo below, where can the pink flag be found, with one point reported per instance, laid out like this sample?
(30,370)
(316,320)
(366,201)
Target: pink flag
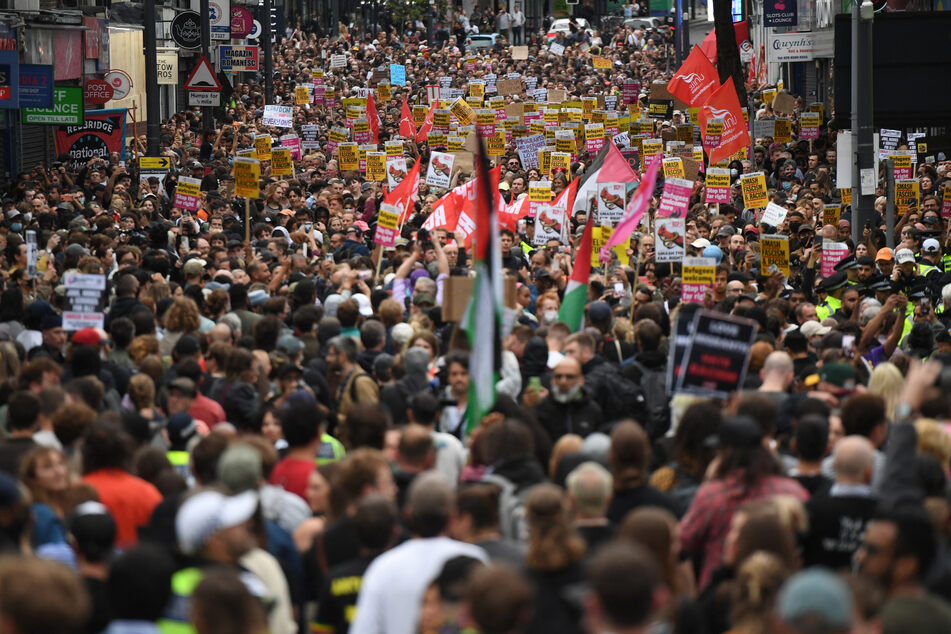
(635,209)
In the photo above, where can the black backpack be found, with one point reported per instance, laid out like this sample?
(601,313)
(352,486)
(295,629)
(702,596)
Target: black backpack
(657,407)
(620,398)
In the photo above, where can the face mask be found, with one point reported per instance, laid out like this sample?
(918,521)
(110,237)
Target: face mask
(734,172)
(16,226)
(565,397)
(787,185)
(550,316)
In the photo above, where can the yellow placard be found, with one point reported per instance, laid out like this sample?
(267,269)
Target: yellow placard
(846,195)
(485,117)
(588,106)
(902,162)
(436,140)
(782,130)
(247,177)
(594,131)
(348,157)
(539,191)
(477,90)
(774,254)
(383,92)
(376,166)
(360,126)
(691,274)
(388,219)
(601,63)
(301,95)
(262,147)
(717,179)
(281,163)
(495,145)
(768,95)
(564,144)
(544,160)
(620,250)
(419,115)
(188,189)
(354,102)
(337,135)
(463,111)
(673,168)
(651,148)
(393,148)
(560,162)
(831,214)
(907,194)
(454,143)
(441,119)
(754,190)
(474,102)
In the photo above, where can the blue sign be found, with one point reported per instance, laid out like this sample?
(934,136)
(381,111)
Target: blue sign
(397,75)
(9,83)
(36,86)
(779,13)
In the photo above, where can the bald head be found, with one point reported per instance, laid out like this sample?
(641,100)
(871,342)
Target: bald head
(853,460)
(778,362)
(222,333)
(430,500)
(568,365)
(590,486)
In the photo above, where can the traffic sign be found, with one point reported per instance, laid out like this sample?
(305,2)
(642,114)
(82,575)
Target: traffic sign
(202,77)
(186,29)
(204,98)
(154,163)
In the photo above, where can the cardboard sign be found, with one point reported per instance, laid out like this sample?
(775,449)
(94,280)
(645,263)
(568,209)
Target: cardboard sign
(262,147)
(717,355)
(601,63)
(907,194)
(754,190)
(281,163)
(611,202)
(440,169)
(387,223)
(462,111)
(717,185)
(784,103)
(675,198)
(774,254)
(509,86)
(519,52)
(247,177)
(669,237)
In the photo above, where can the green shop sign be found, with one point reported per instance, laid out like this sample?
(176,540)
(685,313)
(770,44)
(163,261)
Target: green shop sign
(67,109)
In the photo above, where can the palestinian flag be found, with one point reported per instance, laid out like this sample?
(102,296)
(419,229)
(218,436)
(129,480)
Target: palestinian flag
(576,292)
(483,319)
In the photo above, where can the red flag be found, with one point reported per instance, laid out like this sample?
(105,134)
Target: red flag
(424,129)
(695,80)
(724,104)
(709,43)
(407,126)
(374,118)
(405,194)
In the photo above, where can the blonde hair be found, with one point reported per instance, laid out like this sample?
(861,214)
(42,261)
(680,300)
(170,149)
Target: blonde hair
(142,390)
(887,382)
(934,441)
(757,584)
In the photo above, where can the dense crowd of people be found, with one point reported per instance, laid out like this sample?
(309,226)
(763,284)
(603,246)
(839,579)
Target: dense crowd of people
(269,430)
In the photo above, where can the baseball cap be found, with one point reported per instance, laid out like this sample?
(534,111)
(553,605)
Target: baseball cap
(195,266)
(240,468)
(599,311)
(366,309)
(86,337)
(813,328)
(290,344)
(904,255)
(423,297)
(184,385)
(206,513)
(258,297)
(840,374)
(726,230)
(883,255)
(816,598)
(77,250)
(930,246)
(700,243)
(180,428)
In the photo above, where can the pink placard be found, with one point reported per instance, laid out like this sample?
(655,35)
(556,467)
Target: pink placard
(693,293)
(675,199)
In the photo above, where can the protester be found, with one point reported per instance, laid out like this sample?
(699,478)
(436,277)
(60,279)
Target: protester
(433,306)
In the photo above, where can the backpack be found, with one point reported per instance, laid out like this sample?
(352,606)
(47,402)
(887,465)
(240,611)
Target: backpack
(620,398)
(657,406)
(512,518)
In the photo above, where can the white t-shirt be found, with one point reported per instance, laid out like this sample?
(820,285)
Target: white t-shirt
(393,587)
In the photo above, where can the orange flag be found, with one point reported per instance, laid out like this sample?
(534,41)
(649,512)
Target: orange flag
(695,80)
(724,104)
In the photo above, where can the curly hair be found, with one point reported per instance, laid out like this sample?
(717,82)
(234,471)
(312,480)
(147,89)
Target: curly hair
(183,316)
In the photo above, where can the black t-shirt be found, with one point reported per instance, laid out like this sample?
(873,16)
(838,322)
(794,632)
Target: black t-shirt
(627,500)
(337,606)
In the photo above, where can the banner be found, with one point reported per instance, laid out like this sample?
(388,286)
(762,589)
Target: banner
(754,190)
(669,239)
(774,254)
(675,198)
(102,133)
(717,355)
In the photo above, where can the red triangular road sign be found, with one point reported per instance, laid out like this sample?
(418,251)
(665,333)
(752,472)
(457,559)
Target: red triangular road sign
(203,77)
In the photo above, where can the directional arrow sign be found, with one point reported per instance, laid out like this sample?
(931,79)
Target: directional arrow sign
(202,77)
(154,163)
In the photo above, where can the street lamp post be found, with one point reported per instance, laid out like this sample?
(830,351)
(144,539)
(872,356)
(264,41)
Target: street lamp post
(864,175)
